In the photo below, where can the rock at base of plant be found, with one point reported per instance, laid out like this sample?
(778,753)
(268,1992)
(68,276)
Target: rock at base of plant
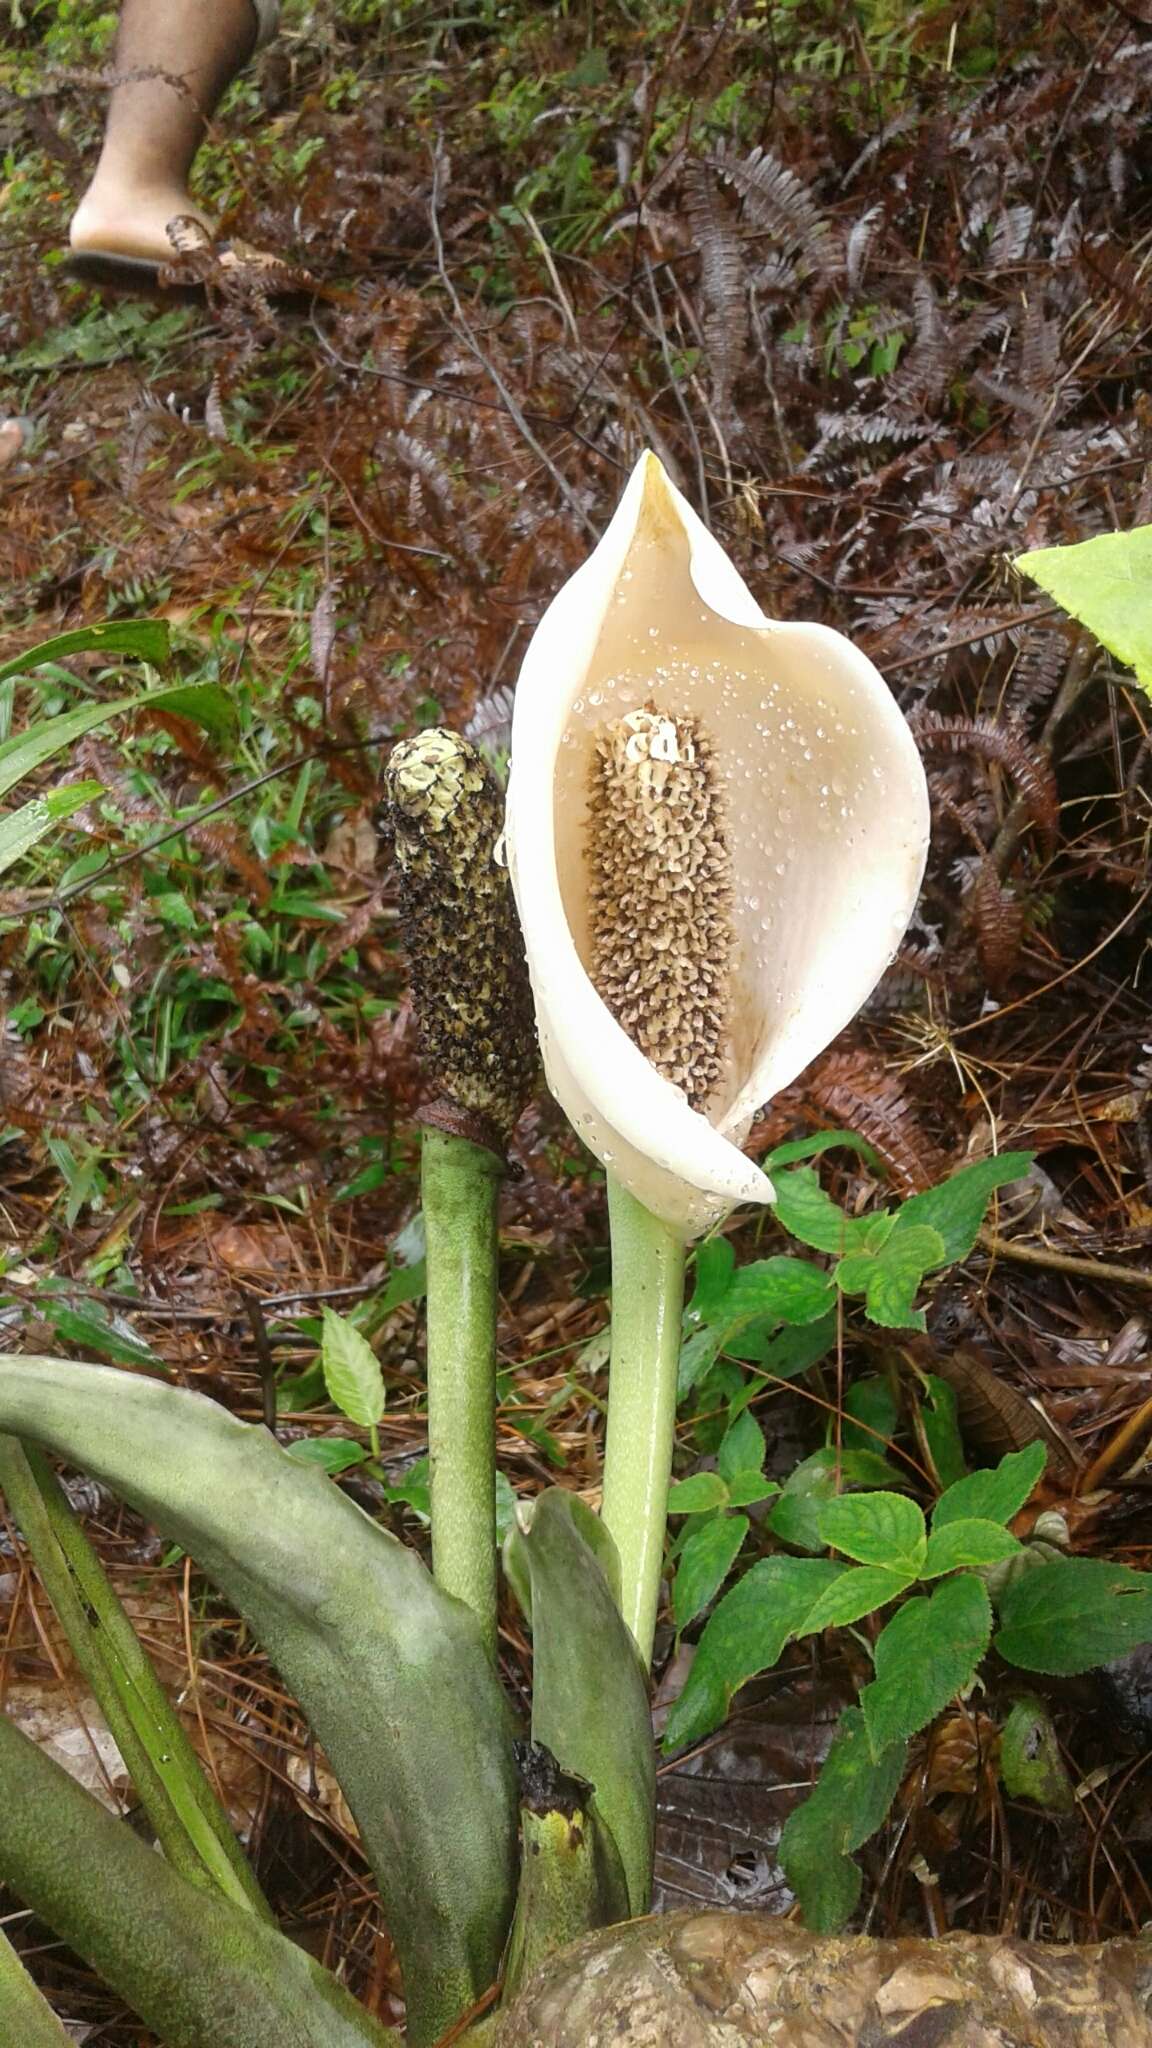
(716,1980)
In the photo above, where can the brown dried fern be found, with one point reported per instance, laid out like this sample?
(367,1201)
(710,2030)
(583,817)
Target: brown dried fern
(854,1089)
(1026,762)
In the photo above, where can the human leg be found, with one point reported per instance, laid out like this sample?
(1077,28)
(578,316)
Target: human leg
(154,128)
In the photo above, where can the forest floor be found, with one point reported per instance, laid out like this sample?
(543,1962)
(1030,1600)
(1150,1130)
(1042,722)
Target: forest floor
(878,295)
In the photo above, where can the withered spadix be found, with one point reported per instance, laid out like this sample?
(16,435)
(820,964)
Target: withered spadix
(469,981)
(717,825)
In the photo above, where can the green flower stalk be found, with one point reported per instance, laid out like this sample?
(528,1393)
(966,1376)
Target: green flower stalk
(470,988)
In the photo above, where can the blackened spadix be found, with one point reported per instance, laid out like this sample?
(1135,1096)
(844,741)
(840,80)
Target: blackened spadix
(469,978)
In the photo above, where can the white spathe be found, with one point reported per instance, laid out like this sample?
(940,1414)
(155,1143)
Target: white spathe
(827,811)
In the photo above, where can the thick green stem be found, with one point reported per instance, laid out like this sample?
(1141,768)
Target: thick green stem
(190,1825)
(25,2014)
(647,1302)
(460,1187)
(200,1973)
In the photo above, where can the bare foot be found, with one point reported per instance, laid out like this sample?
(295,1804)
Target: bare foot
(131,223)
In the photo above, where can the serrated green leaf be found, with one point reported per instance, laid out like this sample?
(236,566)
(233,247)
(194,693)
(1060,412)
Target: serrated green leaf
(697,1495)
(742,1446)
(705,1561)
(858,1593)
(808,1213)
(1071,1615)
(790,1290)
(821,1141)
(994,1495)
(1106,583)
(926,1655)
(849,1802)
(957,1207)
(819,1478)
(790,1352)
(352,1372)
(91,1327)
(746,1635)
(876,1528)
(1030,1761)
(745,1488)
(889,1278)
(967,1542)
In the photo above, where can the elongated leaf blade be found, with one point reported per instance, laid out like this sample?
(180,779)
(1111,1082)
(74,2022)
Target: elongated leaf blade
(20,831)
(197,1969)
(390,1672)
(746,1635)
(590,1690)
(145,638)
(848,1803)
(204,703)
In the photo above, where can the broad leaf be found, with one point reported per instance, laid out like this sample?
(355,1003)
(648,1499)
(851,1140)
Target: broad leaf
(390,1672)
(697,1495)
(1073,1614)
(957,1207)
(809,1214)
(858,1593)
(705,1561)
(332,1453)
(995,1495)
(874,1412)
(352,1372)
(966,1543)
(889,1278)
(876,1528)
(1106,583)
(788,1353)
(746,1635)
(927,1654)
(789,1290)
(850,1800)
(796,1516)
(745,1488)
(742,1447)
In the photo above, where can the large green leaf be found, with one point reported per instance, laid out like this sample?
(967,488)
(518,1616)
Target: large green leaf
(956,1208)
(994,1495)
(1073,1614)
(1106,583)
(926,1655)
(788,1290)
(851,1798)
(704,1564)
(589,1687)
(200,1972)
(746,1635)
(876,1528)
(390,1671)
(809,1214)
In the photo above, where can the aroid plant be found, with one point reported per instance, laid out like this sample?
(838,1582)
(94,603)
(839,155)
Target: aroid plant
(715,829)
